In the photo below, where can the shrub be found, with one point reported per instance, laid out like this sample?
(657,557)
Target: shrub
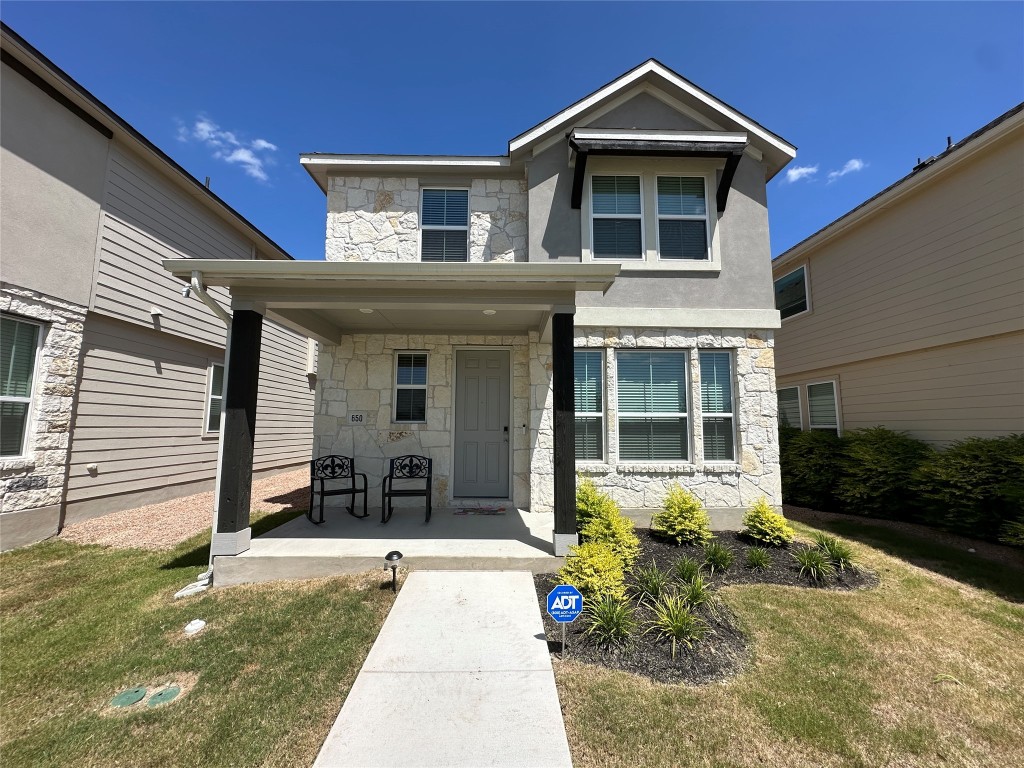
(974,487)
(609,525)
(610,621)
(673,620)
(814,564)
(651,581)
(682,518)
(687,569)
(839,554)
(878,468)
(697,593)
(589,501)
(1013,533)
(763,523)
(717,557)
(595,570)
(809,462)
(758,559)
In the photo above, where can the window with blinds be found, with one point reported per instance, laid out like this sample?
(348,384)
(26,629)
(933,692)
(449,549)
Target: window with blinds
(791,293)
(588,386)
(821,406)
(444,225)
(411,386)
(682,218)
(19,343)
(716,402)
(652,405)
(616,217)
(215,401)
(789,407)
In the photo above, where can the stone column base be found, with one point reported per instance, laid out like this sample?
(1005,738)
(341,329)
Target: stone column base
(224,544)
(563,541)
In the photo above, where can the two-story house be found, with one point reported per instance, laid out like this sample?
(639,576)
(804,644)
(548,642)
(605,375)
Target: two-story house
(598,299)
(111,378)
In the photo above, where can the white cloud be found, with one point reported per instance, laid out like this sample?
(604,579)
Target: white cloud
(800,172)
(852,166)
(252,156)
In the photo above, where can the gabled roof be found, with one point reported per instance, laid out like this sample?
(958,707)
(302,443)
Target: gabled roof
(778,152)
(25,59)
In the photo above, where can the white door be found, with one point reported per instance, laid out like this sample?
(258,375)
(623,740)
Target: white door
(482,434)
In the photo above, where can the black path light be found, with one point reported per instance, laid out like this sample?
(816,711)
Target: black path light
(392,560)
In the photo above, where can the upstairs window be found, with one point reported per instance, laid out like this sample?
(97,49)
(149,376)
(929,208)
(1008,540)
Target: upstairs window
(444,225)
(411,386)
(717,406)
(589,390)
(652,406)
(19,346)
(791,293)
(617,217)
(682,218)
(821,405)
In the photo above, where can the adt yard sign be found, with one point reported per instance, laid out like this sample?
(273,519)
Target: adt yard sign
(565,603)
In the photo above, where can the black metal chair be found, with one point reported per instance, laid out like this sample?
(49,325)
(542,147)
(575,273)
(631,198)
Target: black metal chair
(335,468)
(405,468)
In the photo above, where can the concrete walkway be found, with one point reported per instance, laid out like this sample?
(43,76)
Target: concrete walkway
(459,676)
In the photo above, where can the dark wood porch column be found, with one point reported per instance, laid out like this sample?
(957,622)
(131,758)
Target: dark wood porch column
(234,485)
(565,431)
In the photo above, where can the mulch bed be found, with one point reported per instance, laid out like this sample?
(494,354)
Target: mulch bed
(723,652)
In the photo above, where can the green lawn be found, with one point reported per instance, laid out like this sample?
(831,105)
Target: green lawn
(78,624)
(924,670)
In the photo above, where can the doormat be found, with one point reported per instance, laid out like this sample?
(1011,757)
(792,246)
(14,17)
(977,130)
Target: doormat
(480,511)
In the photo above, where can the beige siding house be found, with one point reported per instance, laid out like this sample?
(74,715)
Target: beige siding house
(112,378)
(908,311)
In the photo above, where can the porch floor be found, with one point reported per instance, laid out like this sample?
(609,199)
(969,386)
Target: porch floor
(454,539)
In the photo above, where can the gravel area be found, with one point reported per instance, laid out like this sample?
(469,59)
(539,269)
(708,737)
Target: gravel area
(167,524)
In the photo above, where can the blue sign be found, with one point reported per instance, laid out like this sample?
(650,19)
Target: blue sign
(565,603)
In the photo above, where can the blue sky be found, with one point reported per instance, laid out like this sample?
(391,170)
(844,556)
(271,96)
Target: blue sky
(236,91)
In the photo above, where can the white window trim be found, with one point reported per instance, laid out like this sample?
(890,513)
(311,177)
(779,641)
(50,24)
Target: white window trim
(26,438)
(658,217)
(602,414)
(422,226)
(807,290)
(731,415)
(799,403)
(838,426)
(207,432)
(648,169)
(619,413)
(396,386)
(632,216)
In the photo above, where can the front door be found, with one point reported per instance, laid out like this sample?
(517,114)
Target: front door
(481,423)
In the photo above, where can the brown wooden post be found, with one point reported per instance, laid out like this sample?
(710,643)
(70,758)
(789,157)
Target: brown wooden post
(564,404)
(234,485)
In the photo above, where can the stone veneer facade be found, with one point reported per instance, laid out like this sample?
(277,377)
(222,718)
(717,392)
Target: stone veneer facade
(377,219)
(36,479)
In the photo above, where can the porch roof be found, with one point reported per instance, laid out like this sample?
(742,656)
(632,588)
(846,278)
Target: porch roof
(325,299)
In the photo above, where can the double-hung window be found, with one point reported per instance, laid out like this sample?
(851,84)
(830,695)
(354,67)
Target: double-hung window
(791,293)
(617,217)
(717,405)
(682,218)
(789,407)
(19,345)
(215,398)
(652,402)
(821,406)
(589,392)
(444,225)
(411,386)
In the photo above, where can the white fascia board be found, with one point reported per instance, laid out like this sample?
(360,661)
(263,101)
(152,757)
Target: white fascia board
(722,137)
(629,79)
(672,317)
(427,162)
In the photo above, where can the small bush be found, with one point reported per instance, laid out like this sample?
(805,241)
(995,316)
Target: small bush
(763,523)
(673,620)
(717,557)
(682,518)
(609,525)
(610,621)
(697,593)
(758,559)
(595,570)
(810,467)
(878,469)
(814,564)
(1013,533)
(651,581)
(687,569)
(838,553)
(589,501)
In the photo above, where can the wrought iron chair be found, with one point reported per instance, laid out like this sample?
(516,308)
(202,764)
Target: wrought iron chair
(335,468)
(405,468)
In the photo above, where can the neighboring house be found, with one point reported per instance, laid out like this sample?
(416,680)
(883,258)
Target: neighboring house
(617,257)
(908,311)
(112,378)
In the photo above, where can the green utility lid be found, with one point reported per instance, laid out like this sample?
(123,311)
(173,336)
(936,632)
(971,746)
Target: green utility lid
(129,697)
(164,696)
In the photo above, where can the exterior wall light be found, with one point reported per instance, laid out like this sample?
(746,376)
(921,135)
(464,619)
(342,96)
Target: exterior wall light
(366,311)
(490,311)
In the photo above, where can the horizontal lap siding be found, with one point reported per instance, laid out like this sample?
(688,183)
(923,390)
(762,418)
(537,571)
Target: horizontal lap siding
(944,265)
(284,416)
